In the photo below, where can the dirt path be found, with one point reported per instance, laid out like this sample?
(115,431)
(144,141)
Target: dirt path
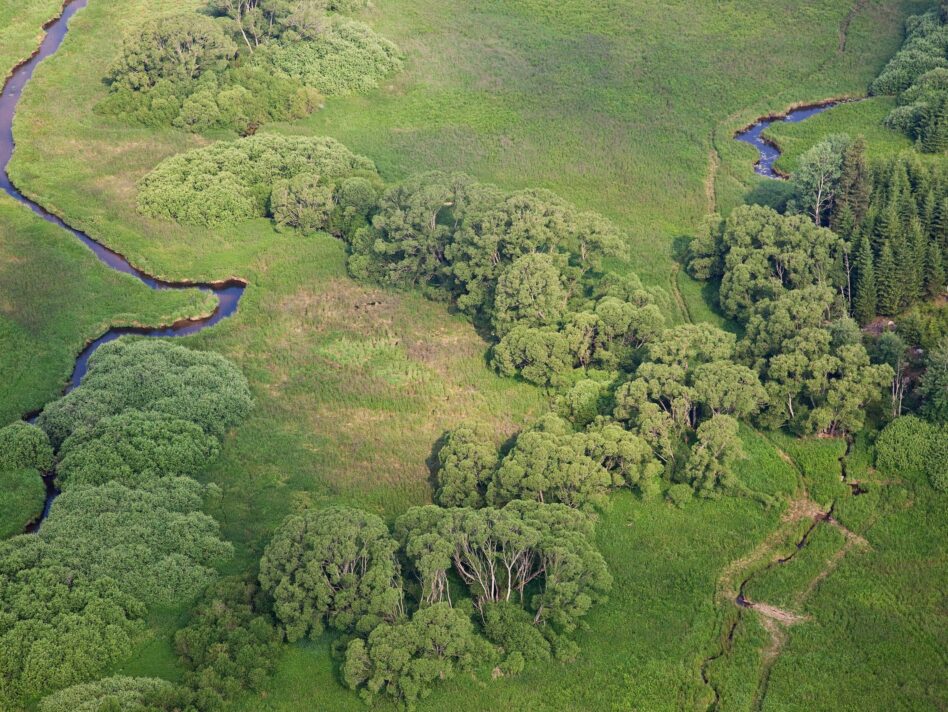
(844,25)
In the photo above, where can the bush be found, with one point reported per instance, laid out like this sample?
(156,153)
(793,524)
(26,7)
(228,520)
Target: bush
(25,446)
(346,57)
(134,446)
(512,628)
(154,377)
(903,446)
(936,466)
(302,202)
(118,694)
(228,647)
(680,494)
(231,181)
(22,501)
(333,566)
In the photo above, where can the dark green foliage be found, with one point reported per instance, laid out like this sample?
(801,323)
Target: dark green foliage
(154,377)
(902,448)
(132,447)
(933,385)
(402,660)
(529,293)
(468,460)
(540,356)
(334,566)
(118,694)
(865,303)
(509,626)
(25,446)
(302,202)
(680,494)
(58,627)
(343,57)
(234,180)
(228,647)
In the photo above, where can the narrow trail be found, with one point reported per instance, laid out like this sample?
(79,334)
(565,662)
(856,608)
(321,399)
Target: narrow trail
(778,548)
(857,7)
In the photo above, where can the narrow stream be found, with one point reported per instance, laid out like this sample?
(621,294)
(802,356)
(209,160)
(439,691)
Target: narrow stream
(228,292)
(769,153)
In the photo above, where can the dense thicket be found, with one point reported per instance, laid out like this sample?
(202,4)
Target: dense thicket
(25,455)
(912,448)
(232,181)
(251,62)
(23,445)
(918,75)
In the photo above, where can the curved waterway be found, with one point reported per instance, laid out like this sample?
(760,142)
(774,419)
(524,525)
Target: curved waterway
(228,292)
(769,153)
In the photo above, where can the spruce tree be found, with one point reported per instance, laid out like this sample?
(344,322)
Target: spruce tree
(854,183)
(864,305)
(888,282)
(934,271)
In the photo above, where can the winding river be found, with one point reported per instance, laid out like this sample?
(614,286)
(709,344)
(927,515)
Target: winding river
(228,292)
(769,153)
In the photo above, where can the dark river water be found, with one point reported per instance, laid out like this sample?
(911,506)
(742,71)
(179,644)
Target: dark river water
(768,152)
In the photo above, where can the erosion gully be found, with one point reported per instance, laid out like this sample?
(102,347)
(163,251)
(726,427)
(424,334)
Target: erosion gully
(228,292)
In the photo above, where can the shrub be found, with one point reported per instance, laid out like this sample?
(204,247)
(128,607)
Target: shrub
(227,646)
(903,446)
(936,467)
(22,500)
(346,57)
(512,628)
(231,181)
(118,693)
(25,446)
(334,566)
(680,494)
(154,377)
(134,446)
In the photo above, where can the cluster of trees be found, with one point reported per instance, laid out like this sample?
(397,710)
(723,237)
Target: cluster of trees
(127,533)
(784,279)
(918,75)
(25,455)
(243,64)
(303,182)
(527,572)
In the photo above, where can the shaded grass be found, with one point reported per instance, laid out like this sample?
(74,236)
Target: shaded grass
(55,297)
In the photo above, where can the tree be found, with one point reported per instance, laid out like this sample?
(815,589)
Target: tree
(549,464)
(727,388)
(934,271)
(889,281)
(177,49)
(529,293)
(864,305)
(540,356)
(850,388)
(133,446)
(933,385)
(627,456)
(817,177)
(890,349)
(855,184)
(25,446)
(468,460)
(709,466)
(403,660)
(302,202)
(334,566)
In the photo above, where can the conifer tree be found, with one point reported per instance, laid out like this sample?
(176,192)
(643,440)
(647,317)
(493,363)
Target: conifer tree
(934,271)
(855,184)
(864,305)
(888,282)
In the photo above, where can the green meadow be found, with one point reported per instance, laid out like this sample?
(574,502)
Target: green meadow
(626,107)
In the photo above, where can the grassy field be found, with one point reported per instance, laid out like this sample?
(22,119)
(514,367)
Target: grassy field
(623,106)
(20,34)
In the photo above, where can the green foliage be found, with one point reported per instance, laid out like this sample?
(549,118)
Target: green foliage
(134,446)
(343,57)
(119,693)
(402,660)
(332,566)
(228,646)
(468,459)
(301,202)
(530,294)
(512,628)
(24,496)
(539,356)
(680,494)
(153,539)
(153,377)
(25,446)
(232,181)
(933,385)
(818,175)
(902,448)
(58,627)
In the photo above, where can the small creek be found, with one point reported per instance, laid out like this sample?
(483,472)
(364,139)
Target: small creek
(769,153)
(228,292)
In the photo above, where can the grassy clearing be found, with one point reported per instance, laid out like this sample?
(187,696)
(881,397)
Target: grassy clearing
(863,118)
(57,296)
